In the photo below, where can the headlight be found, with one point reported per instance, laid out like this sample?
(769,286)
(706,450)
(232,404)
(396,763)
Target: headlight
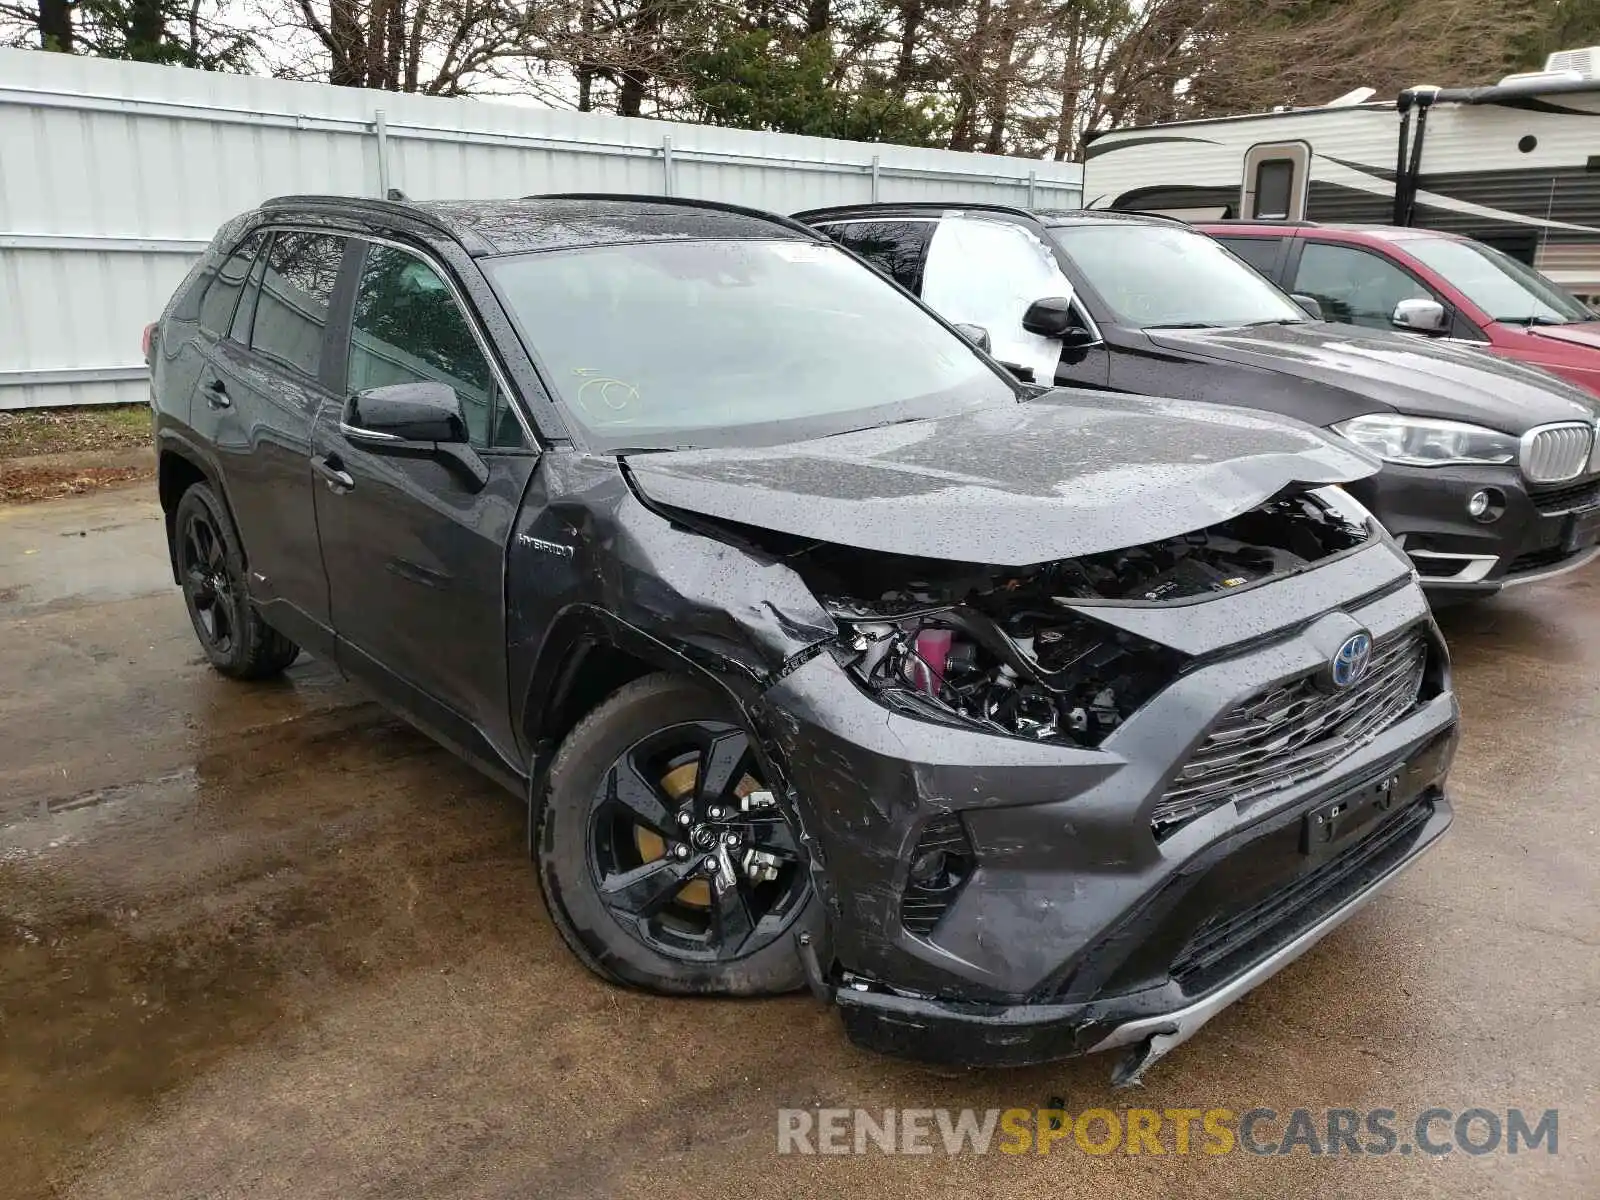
(1421,442)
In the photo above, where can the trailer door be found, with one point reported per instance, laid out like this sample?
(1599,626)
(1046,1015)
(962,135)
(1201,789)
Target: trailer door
(1275,179)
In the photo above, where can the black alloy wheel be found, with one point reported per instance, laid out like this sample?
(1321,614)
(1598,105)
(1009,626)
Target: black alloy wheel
(202,563)
(688,848)
(205,548)
(665,859)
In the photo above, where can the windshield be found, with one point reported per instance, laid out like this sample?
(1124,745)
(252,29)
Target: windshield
(1509,291)
(668,345)
(1157,276)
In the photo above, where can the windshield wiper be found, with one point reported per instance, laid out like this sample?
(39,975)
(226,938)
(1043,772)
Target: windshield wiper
(1534,321)
(1185,325)
(1275,321)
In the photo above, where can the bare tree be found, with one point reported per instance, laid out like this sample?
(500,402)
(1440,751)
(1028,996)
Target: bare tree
(436,47)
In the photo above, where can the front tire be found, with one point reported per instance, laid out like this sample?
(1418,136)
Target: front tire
(665,862)
(236,641)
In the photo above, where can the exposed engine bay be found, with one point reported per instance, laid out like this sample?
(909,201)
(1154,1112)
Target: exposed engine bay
(995,648)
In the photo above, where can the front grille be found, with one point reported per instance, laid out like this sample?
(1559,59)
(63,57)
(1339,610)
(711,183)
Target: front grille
(940,864)
(1556,452)
(1293,732)
(1554,501)
(1225,944)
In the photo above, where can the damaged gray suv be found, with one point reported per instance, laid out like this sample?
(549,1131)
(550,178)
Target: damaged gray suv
(1019,723)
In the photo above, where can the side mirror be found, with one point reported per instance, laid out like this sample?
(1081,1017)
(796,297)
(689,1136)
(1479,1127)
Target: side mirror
(1420,316)
(1310,305)
(976,334)
(406,412)
(415,420)
(1050,317)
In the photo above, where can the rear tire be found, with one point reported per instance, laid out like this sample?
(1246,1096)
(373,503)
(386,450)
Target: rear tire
(236,641)
(630,888)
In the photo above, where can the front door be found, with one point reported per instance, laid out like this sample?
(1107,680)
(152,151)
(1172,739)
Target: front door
(415,551)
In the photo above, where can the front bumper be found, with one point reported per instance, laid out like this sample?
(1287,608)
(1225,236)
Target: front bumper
(1079,926)
(1157,1020)
(1537,532)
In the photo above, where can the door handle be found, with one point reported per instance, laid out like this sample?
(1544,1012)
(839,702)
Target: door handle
(337,479)
(217,394)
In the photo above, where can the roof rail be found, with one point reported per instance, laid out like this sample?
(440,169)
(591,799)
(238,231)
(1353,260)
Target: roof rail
(685,202)
(839,210)
(373,207)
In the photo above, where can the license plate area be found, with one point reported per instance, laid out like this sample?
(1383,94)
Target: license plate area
(1333,823)
(1583,530)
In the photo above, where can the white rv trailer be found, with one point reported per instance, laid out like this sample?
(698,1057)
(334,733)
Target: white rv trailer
(1516,164)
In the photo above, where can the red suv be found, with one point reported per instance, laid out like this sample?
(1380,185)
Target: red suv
(1437,284)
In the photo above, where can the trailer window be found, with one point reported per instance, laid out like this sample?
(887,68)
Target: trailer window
(1274,183)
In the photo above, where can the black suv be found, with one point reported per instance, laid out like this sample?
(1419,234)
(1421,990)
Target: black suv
(822,649)
(1491,470)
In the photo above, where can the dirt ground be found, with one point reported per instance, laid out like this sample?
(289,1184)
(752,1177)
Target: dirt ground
(49,453)
(265,941)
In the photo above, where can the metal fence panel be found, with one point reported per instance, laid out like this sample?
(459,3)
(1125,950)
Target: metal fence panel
(114,175)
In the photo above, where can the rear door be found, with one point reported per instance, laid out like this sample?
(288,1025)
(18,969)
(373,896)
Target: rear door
(415,553)
(258,396)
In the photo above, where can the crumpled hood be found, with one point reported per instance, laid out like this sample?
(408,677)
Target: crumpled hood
(1395,371)
(1068,474)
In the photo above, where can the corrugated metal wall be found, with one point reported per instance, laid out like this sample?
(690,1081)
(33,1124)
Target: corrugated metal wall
(114,175)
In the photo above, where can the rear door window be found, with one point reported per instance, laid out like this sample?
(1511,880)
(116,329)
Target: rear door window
(222,295)
(291,312)
(1354,286)
(897,248)
(1264,254)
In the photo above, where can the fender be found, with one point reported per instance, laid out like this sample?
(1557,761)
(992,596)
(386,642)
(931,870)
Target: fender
(582,628)
(173,441)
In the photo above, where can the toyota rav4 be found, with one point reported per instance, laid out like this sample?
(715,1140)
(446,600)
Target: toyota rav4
(1018,722)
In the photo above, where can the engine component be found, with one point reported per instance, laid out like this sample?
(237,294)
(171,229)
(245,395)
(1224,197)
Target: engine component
(996,648)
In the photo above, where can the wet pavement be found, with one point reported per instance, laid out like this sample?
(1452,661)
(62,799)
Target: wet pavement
(266,941)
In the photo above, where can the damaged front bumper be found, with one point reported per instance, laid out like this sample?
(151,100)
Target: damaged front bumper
(1066,918)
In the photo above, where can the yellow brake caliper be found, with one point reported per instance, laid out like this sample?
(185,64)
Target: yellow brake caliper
(678,783)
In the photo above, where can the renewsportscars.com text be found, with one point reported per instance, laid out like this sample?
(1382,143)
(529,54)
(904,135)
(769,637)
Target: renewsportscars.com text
(1213,1131)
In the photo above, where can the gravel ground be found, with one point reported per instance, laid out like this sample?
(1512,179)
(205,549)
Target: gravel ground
(56,452)
(262,941)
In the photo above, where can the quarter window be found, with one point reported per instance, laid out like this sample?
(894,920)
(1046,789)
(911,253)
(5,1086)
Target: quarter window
(222,295)
(1354,286)
(291,317)
(408,328)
